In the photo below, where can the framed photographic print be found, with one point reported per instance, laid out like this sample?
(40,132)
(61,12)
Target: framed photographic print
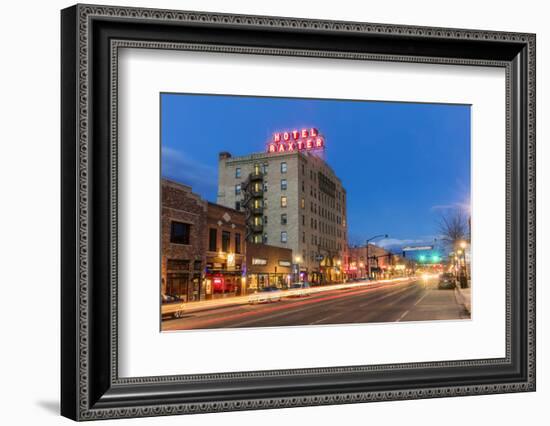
(263,212)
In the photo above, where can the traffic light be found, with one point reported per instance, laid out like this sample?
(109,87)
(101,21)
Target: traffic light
(436,258)
(422,258)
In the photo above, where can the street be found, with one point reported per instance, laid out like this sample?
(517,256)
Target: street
(412,300)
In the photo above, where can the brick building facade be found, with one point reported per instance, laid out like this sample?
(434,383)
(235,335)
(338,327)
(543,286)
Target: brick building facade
(379,259)
(183,241)
(203,247)
(225,251)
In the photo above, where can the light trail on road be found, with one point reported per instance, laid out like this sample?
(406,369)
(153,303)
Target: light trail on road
(295,307)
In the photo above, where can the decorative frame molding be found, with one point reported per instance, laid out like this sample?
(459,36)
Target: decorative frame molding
(91,37)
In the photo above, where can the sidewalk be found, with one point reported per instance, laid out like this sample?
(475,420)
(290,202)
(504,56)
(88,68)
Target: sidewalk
(205,305)
(464,297)
(435,304)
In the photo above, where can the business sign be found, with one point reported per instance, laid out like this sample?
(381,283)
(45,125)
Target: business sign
(408,248)
(259,261)
(284,263)
(296,140)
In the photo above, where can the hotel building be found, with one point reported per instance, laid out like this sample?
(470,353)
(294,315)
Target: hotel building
(292,199)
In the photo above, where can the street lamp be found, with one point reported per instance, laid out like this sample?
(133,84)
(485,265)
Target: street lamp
(368,240)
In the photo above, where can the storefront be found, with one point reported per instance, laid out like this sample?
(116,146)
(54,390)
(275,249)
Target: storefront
(183,282)
(331,271)
(222,280)
(267,266)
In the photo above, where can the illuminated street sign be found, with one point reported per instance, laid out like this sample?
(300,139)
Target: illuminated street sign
(296,140)
(417,248)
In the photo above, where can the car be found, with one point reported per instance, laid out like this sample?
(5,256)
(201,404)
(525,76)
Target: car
(299,289)
(172,306)
(301,284)
(266,295)
(446,281)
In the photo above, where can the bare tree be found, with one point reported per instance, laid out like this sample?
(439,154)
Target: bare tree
(453,227)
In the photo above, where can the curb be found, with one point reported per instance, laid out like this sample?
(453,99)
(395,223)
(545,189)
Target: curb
(462,300)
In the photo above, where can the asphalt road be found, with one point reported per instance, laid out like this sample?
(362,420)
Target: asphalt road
(402,301)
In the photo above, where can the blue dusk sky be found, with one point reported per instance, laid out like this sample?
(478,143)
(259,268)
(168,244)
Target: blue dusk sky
(402,164)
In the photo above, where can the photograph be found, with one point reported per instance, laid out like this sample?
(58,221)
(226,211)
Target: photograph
(356,198)
(279,211)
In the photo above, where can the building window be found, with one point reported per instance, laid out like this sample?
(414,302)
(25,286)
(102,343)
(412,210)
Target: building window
(238,172)
(265,220)
(283,237)
(303,187)
(283,185)
(180,232)
(264,168)
(283,201)
(256,169)
(283,219)
(265,186)
(283,167)
(265,238)
(257,239)
(237,189)
(303,202)
(303,169)
(237,205)
(213,240)
(177,264)
(197,265)
(226,237)
(237,243)
(303,220)
(303,236)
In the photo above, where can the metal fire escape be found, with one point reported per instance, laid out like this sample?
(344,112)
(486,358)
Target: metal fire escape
(253,204)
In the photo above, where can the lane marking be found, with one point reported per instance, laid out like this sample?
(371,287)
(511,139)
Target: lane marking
(423,296)
(326,318)
(362,305)
(404,314)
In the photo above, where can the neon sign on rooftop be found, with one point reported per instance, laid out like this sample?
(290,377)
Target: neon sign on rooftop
(296,140)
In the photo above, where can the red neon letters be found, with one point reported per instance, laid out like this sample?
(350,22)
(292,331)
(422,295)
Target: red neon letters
(296,140)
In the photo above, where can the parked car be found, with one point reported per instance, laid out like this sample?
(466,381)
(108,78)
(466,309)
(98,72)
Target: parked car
(299,289)
(266,295)
(172,306)
(301,284)
(446,281)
